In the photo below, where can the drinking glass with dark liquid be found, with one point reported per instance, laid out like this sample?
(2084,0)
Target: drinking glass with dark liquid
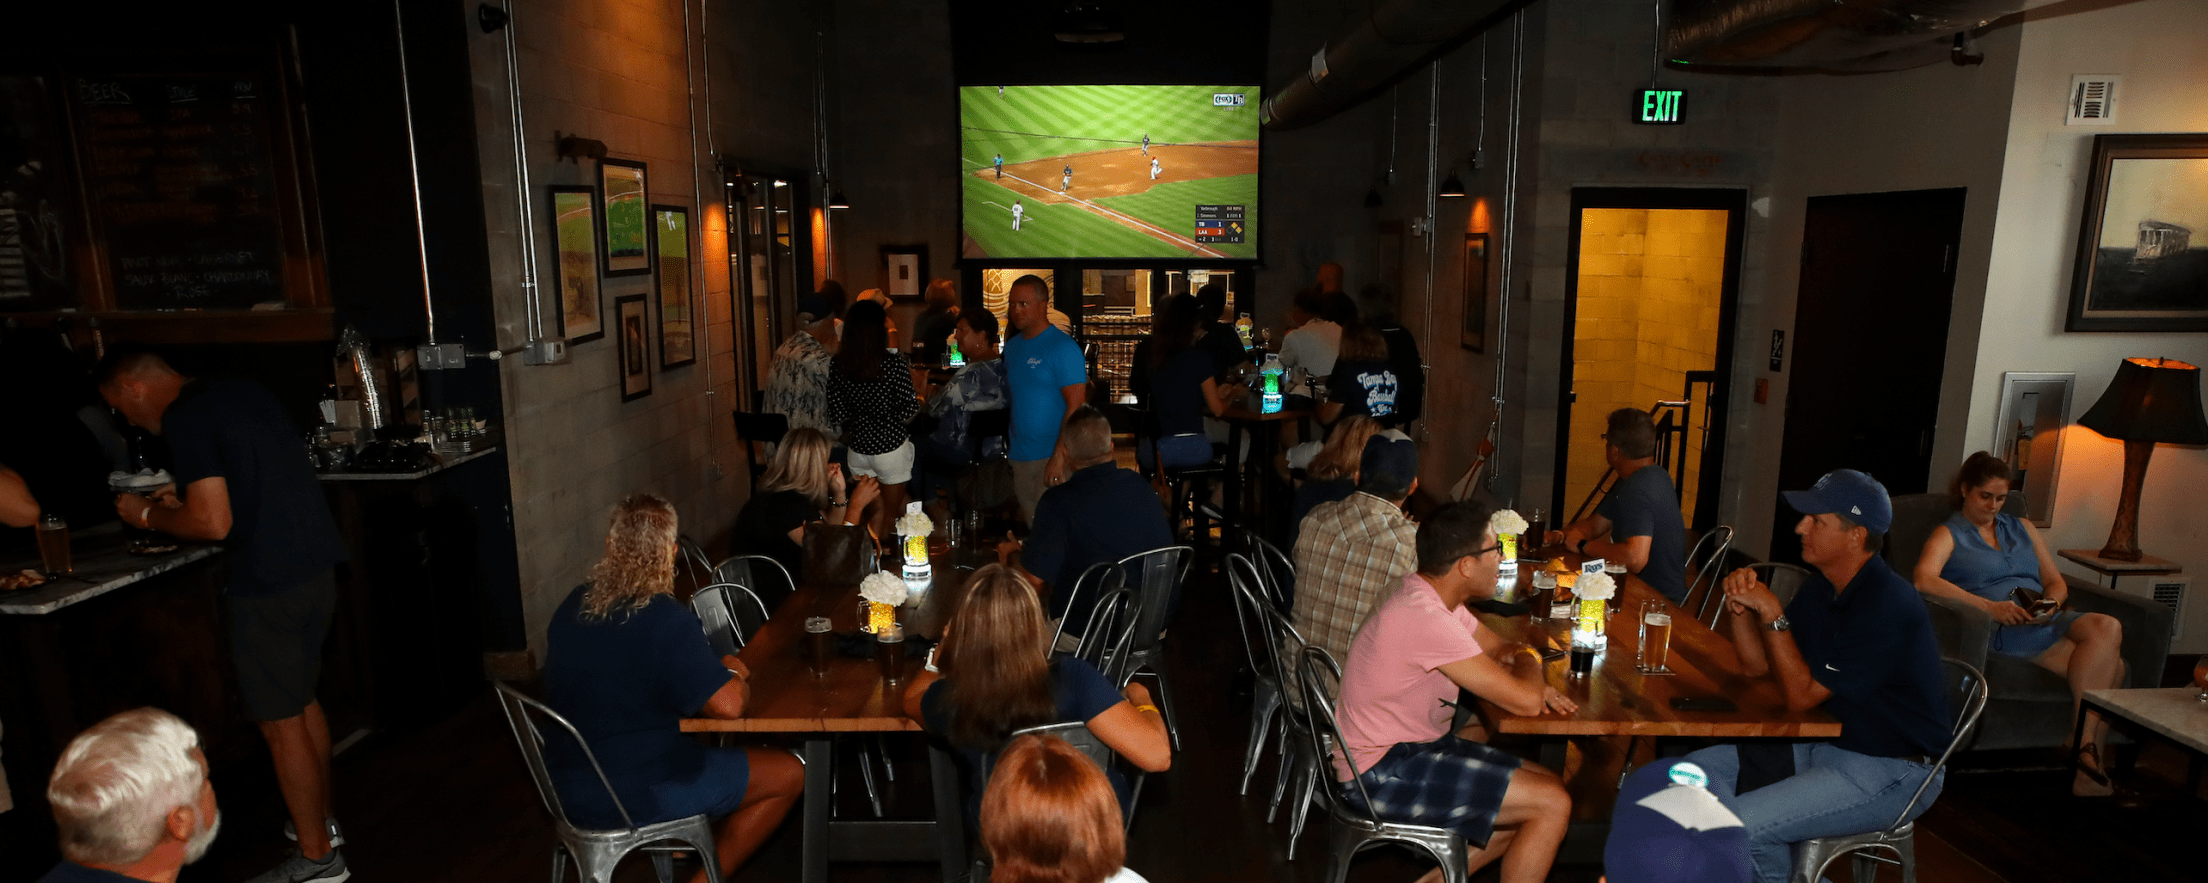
(53,545)
(889,650)
(819,645)
(2200,677)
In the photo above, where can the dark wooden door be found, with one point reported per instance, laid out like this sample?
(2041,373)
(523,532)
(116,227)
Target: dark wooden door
(1870,340)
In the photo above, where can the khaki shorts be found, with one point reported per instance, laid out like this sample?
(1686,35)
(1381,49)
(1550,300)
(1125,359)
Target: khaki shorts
(1029,479)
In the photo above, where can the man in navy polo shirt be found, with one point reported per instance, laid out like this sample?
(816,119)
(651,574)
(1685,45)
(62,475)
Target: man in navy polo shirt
(1856,641)
(1101,513)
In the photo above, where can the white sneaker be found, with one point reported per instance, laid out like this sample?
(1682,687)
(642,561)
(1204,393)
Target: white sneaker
(298,868)
(337,834)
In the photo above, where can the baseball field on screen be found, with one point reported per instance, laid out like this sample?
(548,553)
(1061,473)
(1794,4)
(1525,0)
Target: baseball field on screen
(1115,204)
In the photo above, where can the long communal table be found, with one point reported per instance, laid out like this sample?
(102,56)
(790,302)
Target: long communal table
(852,697)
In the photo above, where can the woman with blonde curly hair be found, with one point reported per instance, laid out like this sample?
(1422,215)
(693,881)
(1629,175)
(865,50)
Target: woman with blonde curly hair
(1050,817)
(625,663)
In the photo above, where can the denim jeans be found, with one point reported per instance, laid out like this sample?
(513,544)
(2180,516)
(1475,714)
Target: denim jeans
(1177,450)
(1833,792)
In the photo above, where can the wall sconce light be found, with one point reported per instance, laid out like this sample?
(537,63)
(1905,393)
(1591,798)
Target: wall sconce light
(578,148)
(1451,187)
(836,199)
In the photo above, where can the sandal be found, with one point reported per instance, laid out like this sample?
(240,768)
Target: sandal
(2087,762)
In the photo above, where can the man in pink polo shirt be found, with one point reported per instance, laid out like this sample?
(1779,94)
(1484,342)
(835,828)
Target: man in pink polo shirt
(1400,683)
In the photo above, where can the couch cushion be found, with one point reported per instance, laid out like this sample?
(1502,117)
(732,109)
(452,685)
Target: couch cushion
(2015,678)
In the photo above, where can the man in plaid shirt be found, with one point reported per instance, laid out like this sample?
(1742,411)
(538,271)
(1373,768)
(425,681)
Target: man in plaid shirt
(1353,553)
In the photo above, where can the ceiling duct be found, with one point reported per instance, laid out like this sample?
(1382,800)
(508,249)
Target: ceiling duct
(1829,35)
(1394,37)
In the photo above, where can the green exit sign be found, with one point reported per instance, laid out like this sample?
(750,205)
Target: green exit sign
(1660,107)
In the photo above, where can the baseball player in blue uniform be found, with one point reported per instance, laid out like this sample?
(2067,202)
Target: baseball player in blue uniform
(1000,167)
(1067,184)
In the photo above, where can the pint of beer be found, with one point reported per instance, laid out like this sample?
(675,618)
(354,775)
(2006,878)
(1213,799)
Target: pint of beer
(1655,637)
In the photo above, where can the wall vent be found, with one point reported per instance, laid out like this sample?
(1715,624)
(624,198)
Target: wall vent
(2172,591)
(2092,100)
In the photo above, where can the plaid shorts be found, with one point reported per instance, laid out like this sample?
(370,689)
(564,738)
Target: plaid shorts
(1447,783)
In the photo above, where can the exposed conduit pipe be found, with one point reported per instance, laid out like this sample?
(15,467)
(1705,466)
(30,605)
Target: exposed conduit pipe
(414,172)
(1393,37)
(525,211)
(1433,187)
(696,261)
(1509,245)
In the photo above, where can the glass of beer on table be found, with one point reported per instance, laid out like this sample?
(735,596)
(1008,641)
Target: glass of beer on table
(819,645)
(53,545)
(889,649)
(1655,650)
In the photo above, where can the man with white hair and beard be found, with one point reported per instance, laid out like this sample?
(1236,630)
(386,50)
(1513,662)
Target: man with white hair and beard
(133,801)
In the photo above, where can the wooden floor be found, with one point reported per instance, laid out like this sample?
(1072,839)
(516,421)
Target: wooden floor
(452,802)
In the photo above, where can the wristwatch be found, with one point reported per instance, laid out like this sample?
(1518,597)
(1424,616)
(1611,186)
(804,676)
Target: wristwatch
(1779,625)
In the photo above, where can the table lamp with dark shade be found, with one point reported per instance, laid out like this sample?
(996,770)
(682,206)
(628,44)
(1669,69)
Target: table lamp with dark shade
(2151,401)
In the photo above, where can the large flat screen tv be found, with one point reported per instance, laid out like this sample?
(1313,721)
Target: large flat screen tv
(1125,172)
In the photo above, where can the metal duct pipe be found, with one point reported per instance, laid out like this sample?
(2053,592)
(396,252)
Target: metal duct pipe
(414,172)
(525,212)
(1394,37)
(1849,35)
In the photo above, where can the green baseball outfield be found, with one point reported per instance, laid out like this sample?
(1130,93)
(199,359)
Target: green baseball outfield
(1116,204)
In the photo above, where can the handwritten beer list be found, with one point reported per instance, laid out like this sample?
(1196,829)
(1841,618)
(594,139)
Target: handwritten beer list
(183,191)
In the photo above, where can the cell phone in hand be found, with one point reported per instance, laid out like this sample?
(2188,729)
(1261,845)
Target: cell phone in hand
(1703,703)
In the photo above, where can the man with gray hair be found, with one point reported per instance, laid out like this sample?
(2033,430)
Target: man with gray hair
(1102,513)
(133,801)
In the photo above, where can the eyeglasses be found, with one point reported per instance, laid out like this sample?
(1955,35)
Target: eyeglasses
(1483,552)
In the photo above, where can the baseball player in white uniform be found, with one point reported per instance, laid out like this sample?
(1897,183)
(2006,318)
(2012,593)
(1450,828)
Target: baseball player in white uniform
(1154,168)
(1017,211)
(1067,183)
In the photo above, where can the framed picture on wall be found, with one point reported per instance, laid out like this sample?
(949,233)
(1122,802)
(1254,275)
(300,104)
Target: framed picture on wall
(1475,292)
(575,263)
(632,322)
(2035,406)
(2142,261)
(905,270)
(671,258)
(627,229)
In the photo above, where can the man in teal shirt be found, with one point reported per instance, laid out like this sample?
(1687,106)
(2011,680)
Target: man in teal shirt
(1048,380)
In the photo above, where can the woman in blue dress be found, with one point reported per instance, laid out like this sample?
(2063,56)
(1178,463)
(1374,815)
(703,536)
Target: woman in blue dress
(1980,555)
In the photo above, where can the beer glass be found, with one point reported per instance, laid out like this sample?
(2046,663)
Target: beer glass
(53,545)
(1655,655)
(819,645)
(889,649)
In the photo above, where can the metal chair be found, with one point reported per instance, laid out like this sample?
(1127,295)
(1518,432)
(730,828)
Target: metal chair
(691,557)
(1784,579)
(731,614)
(597,851)
(1299,766)
(755,572)
(1159,574)
(1276,568)
(1706,566)
(1111,626)
(1262,649)
(1078,735)
(1099,578)
(1356,826)
(1967,684)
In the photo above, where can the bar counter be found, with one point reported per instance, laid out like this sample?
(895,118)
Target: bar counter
(102,566)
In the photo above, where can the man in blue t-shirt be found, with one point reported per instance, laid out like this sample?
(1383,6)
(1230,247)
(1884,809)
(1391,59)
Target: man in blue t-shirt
(243,480)
(1049,380)
(1855,641)
(1638,523)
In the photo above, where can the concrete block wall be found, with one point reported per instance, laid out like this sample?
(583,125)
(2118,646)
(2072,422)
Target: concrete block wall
(630,74)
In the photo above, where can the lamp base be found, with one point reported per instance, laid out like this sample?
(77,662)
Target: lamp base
(2123,535)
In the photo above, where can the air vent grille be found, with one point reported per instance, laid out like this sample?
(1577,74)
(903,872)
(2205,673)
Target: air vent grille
(2172,592)
(2092,100)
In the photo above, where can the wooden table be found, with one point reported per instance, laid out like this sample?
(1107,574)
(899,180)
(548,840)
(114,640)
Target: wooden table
(786,697)
(1263,439)
(2108,571)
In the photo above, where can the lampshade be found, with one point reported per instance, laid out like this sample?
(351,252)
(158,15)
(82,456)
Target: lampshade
(1451,186)
(2151,400)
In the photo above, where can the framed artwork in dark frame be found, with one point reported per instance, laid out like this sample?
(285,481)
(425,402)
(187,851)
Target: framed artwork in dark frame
(1475,292)
(575,263)
(627,224)
(2142,256)
(678,344)
(905,272)
(632,326)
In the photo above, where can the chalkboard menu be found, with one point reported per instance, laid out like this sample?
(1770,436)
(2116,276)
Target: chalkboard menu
(182,189)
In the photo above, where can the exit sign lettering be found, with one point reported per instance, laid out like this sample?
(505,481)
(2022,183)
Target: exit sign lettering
(1660,107)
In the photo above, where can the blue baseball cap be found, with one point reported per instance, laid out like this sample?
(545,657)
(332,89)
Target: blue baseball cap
(1847,492)
(1668,827)
(1389,464)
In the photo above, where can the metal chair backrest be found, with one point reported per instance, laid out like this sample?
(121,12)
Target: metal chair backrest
(1316,667)
(1104,644)
(1247,587)
(694,563)
(753,572)
(1076,734)
(730,613)
(521,713)
(1784,579)
(1967,686)
(1275,567)
(1706,566)
(1158,574)
(1101,577)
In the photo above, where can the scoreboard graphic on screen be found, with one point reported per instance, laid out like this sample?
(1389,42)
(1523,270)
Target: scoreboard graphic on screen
(1219,223)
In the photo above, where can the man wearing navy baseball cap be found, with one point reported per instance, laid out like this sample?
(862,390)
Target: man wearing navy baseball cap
(1670,828)
(1856,641)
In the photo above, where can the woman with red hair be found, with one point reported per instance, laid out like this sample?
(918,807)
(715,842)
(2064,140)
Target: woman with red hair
(1050,817)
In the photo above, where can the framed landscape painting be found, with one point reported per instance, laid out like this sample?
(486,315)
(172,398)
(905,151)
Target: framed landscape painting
(2142,260)
(671,257)
(627,234)
(575,263)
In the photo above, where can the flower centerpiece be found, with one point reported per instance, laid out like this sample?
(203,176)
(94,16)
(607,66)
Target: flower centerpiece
(1508,526)
(1594,591)
(880,593)
(913,528)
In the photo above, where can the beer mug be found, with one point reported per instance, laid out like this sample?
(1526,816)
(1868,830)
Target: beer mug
(1655,649)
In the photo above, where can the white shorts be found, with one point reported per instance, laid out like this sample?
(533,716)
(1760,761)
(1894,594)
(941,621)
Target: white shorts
(894,467)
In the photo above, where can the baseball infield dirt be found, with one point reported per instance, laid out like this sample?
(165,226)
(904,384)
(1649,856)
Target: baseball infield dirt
(1120,171)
